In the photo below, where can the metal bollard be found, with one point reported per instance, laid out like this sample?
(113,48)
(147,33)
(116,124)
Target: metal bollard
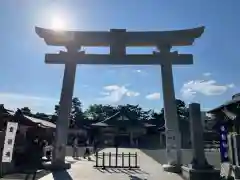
(122,159)
(96,159)
(103,161)
(116,160)
(136,159)
(110,155)
(129,160)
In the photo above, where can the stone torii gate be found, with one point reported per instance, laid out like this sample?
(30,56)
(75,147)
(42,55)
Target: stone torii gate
(118,40)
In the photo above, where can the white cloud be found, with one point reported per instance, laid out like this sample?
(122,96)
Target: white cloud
(105,93)
(153,96)
(205,87)
(207,74)
(132,94)
(115,93)
(231,85)
(36,104)
(111,88)
(138,71)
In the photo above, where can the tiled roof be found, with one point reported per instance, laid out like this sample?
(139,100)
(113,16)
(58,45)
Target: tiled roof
(120,119)
(226,104)
(41,122)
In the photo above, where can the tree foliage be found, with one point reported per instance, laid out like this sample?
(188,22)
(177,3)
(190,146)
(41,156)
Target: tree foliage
(76,113)
(99,112)
(26,110)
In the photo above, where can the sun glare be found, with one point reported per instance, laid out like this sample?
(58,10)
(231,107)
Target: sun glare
(58,23)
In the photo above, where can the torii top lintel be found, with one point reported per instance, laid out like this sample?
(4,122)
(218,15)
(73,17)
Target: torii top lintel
(104,38)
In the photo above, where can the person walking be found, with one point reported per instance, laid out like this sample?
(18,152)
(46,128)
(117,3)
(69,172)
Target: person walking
(75,148)
(48,150)
(95,146)
(34,154)
(87,151)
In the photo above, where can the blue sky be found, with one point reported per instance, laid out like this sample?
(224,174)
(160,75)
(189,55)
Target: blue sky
(27,81)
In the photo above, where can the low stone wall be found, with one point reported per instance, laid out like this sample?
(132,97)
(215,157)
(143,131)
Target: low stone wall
(159,155)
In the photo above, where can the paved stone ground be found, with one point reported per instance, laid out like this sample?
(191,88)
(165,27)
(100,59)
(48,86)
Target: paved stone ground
(149,160)
(213,157)
(83,170)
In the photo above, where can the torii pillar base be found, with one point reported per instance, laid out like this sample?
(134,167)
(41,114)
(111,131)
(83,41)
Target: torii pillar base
(171,168)
(190,173)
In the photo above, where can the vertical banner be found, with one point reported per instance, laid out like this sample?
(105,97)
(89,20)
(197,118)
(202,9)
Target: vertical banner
(171,146)
(10,135)
(223,144)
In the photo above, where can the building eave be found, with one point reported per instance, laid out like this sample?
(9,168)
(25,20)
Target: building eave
(226,104)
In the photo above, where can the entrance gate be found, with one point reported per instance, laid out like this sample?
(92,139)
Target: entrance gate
(118,40)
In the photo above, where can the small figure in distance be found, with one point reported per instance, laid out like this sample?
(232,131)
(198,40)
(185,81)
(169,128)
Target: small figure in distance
(87,151)
(48,150)
(95,146)
(75,148)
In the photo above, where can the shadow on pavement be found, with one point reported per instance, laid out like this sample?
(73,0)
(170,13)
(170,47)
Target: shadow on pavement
(22,173)
(121,170)
(61,175)
(18,176)
(136,178)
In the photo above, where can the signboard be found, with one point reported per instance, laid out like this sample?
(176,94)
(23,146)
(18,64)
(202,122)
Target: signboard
(223,144)
(10,135)
(171,146)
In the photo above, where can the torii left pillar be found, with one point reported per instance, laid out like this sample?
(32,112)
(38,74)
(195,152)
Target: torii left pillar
(59,150)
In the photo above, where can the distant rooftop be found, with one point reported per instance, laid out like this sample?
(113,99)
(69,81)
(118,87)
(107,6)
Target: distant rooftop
(120,119)
(41,122)
(235,100)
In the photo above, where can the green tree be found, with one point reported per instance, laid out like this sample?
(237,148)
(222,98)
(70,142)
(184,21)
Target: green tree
(56,109)
(183,115)
(93,112)
(26,110)
(42,116)
(157,119)
(134,111)
(182,110)
(99,112)
(76,113)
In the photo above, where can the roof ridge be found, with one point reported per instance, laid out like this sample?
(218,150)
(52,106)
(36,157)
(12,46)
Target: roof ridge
(110,117)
